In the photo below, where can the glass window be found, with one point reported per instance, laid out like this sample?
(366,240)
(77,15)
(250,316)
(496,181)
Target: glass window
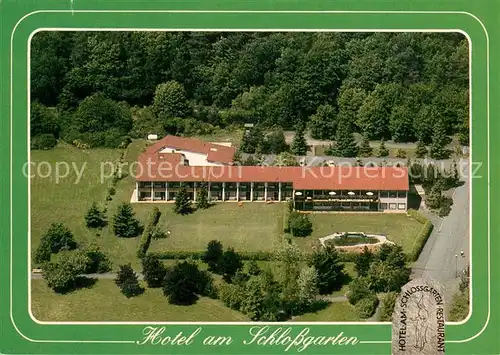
(402,194)
(392,206)
(383,206)
(393,194)
(402,206)
(384,194)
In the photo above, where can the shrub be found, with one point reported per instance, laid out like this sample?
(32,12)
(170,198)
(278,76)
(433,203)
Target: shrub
(158,233)
(43,141)
(366,306)
(401,153)
(42,253)
(232,295)
(387,307)
(111,190)
(98,261)
(359,288)
(63,275)
(299,224)
(145,241)
(459,308)
(57,238)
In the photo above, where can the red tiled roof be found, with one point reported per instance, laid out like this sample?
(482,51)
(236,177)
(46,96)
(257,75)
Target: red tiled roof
(215,152)
(303,178)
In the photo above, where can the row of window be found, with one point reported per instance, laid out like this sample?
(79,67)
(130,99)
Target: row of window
(214,185)
(217,195)
(393,206)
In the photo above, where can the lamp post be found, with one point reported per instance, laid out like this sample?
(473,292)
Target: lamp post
(456,269)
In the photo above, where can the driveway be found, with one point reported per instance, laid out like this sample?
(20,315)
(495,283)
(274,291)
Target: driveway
(441,257)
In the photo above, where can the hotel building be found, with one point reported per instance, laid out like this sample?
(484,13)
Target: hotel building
(173,163)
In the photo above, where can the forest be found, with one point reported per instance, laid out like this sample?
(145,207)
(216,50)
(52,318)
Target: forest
(104,88)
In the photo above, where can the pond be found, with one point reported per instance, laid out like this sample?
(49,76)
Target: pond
(348,239)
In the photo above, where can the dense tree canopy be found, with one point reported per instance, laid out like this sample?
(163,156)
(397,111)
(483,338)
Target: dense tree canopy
(387,85)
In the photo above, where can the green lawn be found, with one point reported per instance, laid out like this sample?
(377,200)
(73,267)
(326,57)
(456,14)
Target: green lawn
(105,302)
(67,201)
(223,135)
(335,312)
(251,227)
(398,228)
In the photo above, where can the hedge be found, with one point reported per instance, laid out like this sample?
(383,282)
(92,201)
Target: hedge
(417,216)
(184,254)
(366,307)
(153,219)
(245,255)
(422,236)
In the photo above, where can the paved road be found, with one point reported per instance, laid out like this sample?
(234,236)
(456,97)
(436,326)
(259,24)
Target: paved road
(105,276)
(449,237)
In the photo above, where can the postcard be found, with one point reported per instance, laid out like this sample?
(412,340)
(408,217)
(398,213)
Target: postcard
(249,177)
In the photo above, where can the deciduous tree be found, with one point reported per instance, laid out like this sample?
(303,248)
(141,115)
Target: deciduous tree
(170,100)
(213,255)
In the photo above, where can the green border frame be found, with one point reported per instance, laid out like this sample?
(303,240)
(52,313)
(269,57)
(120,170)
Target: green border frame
(23,335)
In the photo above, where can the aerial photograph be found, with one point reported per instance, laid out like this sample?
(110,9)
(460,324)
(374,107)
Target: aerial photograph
(246,176)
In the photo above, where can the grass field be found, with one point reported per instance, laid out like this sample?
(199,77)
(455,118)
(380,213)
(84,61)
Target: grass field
(68,200)
(398,228)
(104,302)
(251,227)
(335,312)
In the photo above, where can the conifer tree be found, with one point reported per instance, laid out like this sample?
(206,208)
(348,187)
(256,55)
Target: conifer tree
(421,150)
(182,203)
(433,199)
(153,270)
(127,281)
(345,144)
(125,225)
(299,144)
(95,218)
(364,149)
(330,269)
(202,198)
(362,262)
(382,150)
(437,149)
